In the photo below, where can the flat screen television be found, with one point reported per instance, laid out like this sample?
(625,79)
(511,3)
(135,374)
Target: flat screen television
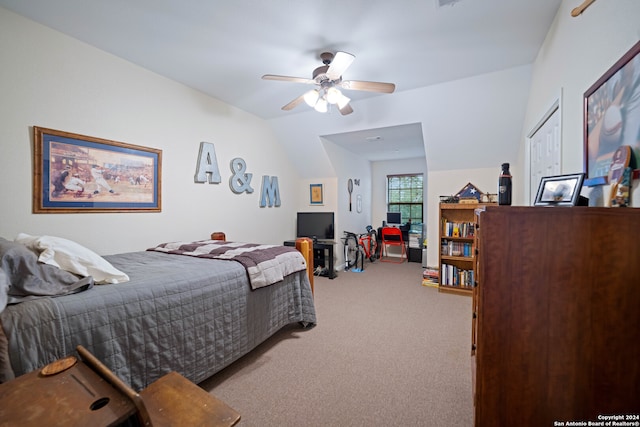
(316,225)
(394,218)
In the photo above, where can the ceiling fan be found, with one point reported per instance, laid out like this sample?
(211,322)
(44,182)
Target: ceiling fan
(328,78)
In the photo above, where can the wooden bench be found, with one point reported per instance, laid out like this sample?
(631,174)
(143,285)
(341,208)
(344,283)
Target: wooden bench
(170,401)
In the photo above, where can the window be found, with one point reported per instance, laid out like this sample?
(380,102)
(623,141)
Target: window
(404,195)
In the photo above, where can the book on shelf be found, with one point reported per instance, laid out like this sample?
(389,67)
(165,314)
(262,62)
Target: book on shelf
(451,248)
(457,229)
(452,275)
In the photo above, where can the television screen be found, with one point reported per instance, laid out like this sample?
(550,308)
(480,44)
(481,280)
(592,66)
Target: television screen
(394,218)
(316,225)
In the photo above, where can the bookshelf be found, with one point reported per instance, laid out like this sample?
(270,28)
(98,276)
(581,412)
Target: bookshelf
(457,247)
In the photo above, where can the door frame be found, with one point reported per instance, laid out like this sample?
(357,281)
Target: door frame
(556,105)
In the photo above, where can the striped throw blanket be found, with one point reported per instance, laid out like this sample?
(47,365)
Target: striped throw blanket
(265,264)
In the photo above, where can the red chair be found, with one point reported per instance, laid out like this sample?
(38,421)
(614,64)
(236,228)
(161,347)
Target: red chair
(392,236)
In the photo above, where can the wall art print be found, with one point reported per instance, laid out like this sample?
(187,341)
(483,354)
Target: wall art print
(612,117)
(81,174)
(315,194)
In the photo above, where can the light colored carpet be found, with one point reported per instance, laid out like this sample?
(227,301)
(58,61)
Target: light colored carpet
(387,351)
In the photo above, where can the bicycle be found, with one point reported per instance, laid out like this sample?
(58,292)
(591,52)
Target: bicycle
(352,250)
(357,247)
(369,243)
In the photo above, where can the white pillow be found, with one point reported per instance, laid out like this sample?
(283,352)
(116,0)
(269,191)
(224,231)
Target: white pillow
(73,257)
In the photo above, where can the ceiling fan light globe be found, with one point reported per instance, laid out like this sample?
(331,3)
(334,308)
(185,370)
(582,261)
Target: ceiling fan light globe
(311,97)
(321,106)
(333,95)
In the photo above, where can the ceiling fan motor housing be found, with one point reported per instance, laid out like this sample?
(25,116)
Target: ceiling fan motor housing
(326,57)
(319,74)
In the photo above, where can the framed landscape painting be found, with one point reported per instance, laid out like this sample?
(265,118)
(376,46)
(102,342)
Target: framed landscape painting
(81,174)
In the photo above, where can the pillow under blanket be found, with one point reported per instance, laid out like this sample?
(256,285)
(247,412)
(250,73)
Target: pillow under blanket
(23,278)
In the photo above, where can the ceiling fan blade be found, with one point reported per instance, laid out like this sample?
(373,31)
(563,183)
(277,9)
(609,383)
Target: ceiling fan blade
(293,104)
(368,86)
(346,110)
(288,79)
(341,61)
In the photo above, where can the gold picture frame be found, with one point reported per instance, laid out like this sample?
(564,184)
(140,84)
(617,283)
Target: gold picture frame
(83,174)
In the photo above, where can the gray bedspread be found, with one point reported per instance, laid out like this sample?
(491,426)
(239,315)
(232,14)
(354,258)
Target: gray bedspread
(191,315)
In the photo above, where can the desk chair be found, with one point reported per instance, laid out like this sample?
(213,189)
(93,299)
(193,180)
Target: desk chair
(170,401)
(392,236)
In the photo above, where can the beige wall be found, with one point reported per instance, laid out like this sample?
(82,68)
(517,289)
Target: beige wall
(576,53)
(48,79)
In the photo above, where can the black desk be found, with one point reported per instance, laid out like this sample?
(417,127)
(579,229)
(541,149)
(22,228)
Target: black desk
(321,251)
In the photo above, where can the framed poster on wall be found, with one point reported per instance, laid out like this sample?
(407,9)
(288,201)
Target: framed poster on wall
(612,117)
(82,174)
(316,196)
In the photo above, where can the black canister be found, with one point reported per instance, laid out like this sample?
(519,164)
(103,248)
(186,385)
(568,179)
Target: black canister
(504,186)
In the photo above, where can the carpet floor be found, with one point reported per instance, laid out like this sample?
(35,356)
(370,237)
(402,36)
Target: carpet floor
(386,351)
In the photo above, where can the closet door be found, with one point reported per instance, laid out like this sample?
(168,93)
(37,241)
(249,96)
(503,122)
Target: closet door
(546,149)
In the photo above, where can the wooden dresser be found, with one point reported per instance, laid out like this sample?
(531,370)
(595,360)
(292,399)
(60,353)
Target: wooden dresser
(556,315)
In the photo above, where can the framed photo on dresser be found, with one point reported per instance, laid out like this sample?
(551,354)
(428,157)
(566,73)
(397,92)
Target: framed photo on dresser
(560,190)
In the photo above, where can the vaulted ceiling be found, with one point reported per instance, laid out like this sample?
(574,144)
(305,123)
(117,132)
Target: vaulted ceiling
(222,48)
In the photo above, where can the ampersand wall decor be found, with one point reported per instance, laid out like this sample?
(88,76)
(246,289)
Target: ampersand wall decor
(240,181)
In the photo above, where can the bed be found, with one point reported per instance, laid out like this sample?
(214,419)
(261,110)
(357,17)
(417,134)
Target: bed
(193,314)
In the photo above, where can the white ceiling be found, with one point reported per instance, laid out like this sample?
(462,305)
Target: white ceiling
(391,142)
(222,48)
